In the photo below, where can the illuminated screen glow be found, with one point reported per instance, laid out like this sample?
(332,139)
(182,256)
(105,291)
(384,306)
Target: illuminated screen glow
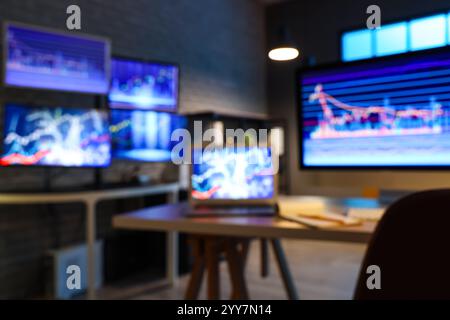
(144,135)
(143,85)
(391,39)
(230,174)
(428,32)
(37,58)
(55,137)
(357,45)
(392,112)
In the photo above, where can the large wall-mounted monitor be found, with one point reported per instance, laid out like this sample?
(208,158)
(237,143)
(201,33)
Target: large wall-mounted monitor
(63,137)
(42,58)
(383,113)
(144,135)
(143,85)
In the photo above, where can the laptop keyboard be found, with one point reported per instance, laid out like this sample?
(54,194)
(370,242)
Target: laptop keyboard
(232,211)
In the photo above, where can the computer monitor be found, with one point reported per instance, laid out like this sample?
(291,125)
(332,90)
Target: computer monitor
(242,175)
(144,135)
(391,113)
(63,137)
(143,85)
(42,58)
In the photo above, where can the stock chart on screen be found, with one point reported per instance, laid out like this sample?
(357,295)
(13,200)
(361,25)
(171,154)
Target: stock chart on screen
(143,85)
(38,58)
(382,113)
(229,173)
(144,135)
(55,137)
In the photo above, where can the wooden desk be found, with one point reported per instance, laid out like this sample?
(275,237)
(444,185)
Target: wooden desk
(172,218)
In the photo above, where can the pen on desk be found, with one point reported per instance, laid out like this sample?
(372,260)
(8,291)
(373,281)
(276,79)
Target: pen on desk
(306,224)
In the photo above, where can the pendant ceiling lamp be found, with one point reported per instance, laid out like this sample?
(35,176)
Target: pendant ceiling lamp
(284,48)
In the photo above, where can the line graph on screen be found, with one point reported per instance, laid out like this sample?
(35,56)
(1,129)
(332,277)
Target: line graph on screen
(374,120)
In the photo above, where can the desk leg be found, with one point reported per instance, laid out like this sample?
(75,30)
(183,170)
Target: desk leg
(264,258)
(172,197)
(284,269)
(172,257)
(235,259)
(172,247)
(207,251)
(212,252)
(198,269)
(90,238)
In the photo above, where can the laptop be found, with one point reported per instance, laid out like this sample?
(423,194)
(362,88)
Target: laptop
(235,181)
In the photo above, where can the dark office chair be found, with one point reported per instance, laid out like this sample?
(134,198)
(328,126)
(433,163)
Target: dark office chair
(411,245)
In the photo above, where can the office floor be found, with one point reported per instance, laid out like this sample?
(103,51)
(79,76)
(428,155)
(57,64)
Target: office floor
(322,270)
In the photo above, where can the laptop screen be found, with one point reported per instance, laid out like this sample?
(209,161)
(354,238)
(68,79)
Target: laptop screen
(233,174)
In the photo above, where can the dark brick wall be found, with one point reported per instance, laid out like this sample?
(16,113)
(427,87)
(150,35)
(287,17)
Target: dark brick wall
(219,45)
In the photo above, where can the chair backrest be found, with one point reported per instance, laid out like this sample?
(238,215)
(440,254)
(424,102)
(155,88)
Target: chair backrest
(411,246)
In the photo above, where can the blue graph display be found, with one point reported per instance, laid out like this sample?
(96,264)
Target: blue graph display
(55,137)
(143,85)
(392,112)
(38,58)
(227,174)
(144,135)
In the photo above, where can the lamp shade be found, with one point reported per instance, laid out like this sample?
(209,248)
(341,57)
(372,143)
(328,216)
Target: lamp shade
(284,48)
